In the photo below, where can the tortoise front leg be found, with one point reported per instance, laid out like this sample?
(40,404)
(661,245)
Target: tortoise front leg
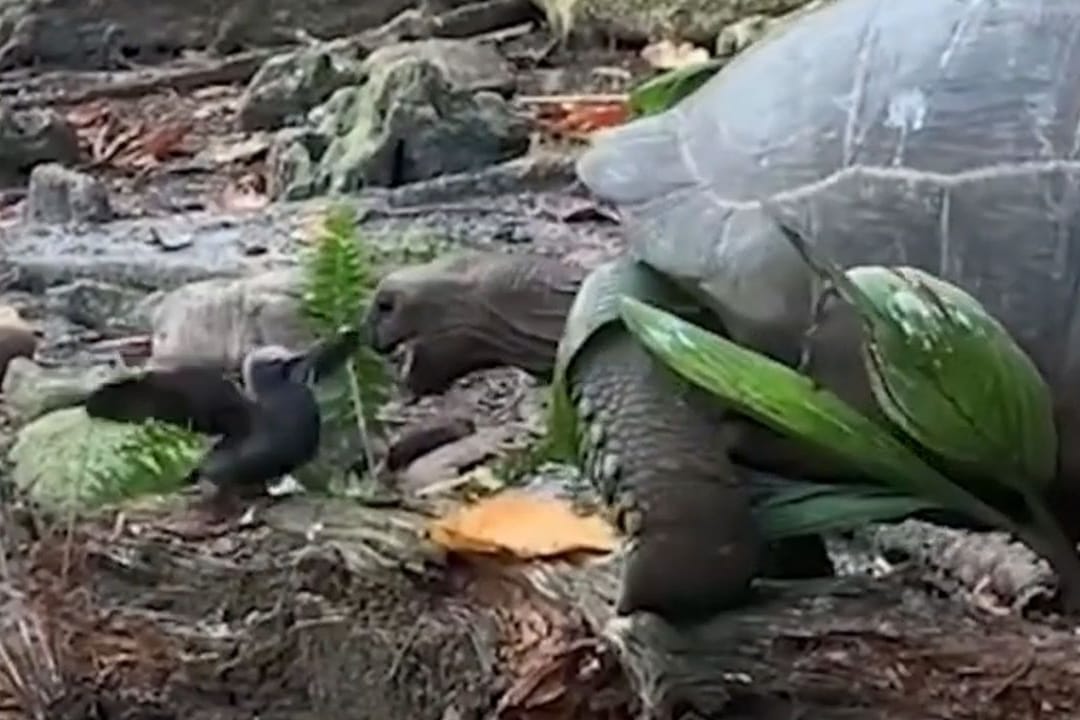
(657,450)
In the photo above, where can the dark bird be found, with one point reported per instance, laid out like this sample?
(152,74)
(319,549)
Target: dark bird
(266,430)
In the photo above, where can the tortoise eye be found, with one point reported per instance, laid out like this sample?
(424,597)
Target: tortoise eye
(384,304)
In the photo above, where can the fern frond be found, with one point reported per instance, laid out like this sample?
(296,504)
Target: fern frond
(155,458)
(340,276)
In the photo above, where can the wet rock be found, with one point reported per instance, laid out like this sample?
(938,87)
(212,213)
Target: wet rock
(467,65)
(31,390)
(61,195)
(18,339)
(220,320)
(30,137)
(287,86)
(102,306)
(406,124)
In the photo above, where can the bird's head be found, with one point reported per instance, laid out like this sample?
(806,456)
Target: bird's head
(267,366)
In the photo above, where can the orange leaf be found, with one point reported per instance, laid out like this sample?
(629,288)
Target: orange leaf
(580,120)
(523,525)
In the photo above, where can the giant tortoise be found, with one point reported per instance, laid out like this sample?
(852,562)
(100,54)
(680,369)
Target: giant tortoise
(941,134)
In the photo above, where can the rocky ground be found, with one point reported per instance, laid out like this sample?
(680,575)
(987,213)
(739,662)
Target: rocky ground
(161,170)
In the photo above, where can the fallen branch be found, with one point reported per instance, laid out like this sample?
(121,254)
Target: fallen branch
(233,69)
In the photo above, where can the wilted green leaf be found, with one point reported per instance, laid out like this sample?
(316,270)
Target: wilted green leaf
(667,89)
(812,508)
(791,404)
(948,373)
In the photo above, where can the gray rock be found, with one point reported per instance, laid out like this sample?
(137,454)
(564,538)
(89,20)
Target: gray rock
(31,390)
(220,320)
(287,86)
(406,124)
(467,65)
(101,306)
(61,195)
(290,167)
(30,137)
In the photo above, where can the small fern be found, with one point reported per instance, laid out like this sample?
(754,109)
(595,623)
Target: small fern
(341,272)
(340,276)
(156,458)
(66,458)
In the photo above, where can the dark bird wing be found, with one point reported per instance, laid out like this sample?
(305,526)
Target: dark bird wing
(200,398)
(325,357)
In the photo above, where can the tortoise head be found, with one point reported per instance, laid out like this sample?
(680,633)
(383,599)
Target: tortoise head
(472,311)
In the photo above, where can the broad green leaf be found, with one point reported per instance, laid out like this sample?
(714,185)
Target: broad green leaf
(947,373)
(811,508)
(790,403)
(953,379)
(666,90)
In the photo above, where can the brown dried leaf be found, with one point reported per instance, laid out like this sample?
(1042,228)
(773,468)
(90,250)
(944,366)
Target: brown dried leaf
(165,141)
(88,114)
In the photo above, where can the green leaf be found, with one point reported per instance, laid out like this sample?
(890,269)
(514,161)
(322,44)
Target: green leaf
(953,379)
(667,89)
(948,373)
(792,404)
(812,508)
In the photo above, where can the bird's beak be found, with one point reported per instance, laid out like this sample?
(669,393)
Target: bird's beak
(298,368)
